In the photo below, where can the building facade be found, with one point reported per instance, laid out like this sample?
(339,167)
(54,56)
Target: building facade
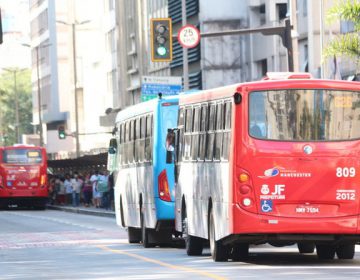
(69,53)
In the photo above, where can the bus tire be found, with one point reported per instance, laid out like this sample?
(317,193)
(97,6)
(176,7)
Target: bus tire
(134,235)
(240,252)
(193,244)
(306,248)
(325,251)
(144,234)
(219,251)
(346,251)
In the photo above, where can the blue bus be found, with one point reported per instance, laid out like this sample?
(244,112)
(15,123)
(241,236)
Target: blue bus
(144,181)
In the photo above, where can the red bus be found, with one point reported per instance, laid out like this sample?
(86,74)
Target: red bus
(275,161)
(23,176)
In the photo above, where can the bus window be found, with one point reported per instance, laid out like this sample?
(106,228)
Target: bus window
(148,151)
(132,141)
(137,140)
(170,146)
(203,128)
(187,134)
(305,115)
(22,156)
(195,134)
(180,142)
(126,145)
(227,131)
(141,148)
(219,131)
(211,134)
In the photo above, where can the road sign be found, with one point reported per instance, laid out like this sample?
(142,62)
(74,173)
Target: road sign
(188,36)
(151,86)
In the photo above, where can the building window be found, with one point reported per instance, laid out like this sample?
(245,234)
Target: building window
(110,41)
(111,81)
(262,14)
(282,11)
(305,8)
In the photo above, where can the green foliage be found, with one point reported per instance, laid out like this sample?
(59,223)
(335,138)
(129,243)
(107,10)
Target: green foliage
(7,104)
(345,44)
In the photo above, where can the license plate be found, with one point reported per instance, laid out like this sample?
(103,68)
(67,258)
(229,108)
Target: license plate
(307,209)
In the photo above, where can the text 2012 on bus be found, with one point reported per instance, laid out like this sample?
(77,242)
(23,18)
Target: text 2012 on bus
(144,181)
(23,176)
(274,161)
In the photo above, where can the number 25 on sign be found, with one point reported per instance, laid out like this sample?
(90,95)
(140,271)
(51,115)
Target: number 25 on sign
(188,36)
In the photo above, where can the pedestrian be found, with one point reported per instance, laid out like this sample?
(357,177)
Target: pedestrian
(68,189)
(111,191)
(51,190)
(60,196)
(103,188)
(96,194)
(87,191)
(76,183)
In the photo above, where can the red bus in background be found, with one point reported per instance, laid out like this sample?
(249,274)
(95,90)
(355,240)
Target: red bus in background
(275,161)
(23,176)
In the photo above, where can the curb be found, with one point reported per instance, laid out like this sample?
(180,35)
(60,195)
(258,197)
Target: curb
(110,214)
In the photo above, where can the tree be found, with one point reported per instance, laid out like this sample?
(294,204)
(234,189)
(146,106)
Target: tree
(7,104)
(347,44)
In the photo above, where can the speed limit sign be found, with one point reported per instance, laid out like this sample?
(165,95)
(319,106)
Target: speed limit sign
(188,36)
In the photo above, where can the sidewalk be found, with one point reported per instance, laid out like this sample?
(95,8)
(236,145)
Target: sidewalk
(83,210)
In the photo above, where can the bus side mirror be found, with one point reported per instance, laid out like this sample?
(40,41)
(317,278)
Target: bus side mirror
(112,146)
(170,146)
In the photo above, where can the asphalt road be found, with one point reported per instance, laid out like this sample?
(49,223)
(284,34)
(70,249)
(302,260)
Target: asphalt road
(59,245)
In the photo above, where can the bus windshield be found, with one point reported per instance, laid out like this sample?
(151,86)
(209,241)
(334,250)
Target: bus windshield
(22,156)
(304,115)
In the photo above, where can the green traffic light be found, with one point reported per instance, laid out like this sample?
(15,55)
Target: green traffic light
(161,51)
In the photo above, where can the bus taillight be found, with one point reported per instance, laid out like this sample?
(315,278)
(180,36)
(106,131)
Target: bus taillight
(42,180)
(1,182)
(163,186)
(245,192)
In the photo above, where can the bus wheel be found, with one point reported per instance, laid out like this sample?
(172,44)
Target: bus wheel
(144,234)
(346,251)
(325,252)
(134,235)
(219,252)
(194,245)
(306,248)
(240,252)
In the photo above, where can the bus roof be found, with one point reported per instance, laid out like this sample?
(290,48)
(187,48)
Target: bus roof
(22,146)
(144,107)
(268,84)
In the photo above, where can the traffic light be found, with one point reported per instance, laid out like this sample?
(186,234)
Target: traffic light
(161,39)
(61,132)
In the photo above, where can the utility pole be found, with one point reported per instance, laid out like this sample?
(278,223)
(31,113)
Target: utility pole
(17,124)
(73,29)
(39,96)
(37,49)
(294,35)
(17,121)
(77,140)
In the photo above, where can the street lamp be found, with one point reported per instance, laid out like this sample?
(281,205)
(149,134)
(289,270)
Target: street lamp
(38,88)
(17,123)
(73,25)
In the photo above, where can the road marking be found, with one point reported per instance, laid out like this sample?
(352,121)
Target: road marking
(175,267)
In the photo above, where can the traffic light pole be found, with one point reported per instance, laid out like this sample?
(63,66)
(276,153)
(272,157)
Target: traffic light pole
(185,51)
(283,31)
